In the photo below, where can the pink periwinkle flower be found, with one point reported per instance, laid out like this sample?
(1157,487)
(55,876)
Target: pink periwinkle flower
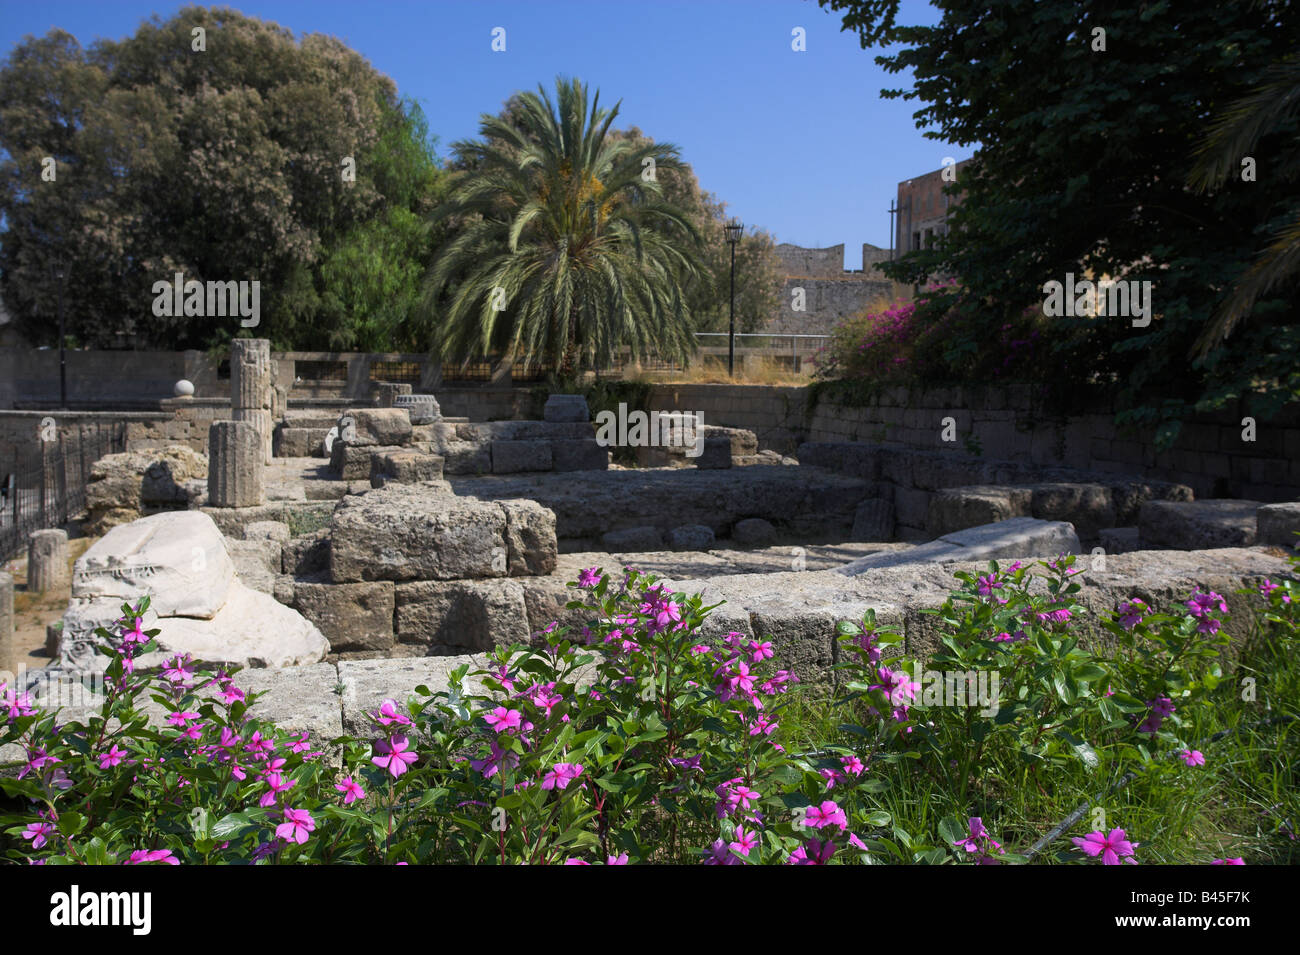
(113,757)
(388,713)
(590,577)
(37,833)
(1110,847)
(561,774)
(744,841)
(1192,757)
(393,755)
(1237,861)
(296,826)
(827,814)
(140,856)
(504,720)
(351,790)
(816,852)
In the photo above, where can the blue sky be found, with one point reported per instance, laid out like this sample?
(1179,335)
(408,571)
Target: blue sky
(801,144)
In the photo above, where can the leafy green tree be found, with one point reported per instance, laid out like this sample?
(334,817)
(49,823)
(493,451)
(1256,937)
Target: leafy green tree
(1083,157)
(564,249)
(222,163)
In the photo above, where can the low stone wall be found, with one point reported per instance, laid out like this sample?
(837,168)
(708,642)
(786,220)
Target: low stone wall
(797,611)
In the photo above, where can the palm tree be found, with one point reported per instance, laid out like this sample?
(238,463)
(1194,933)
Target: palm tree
(1232,137)
(565,248)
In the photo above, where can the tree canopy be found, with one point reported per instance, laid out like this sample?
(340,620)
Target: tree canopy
(220,156)
(1089,117)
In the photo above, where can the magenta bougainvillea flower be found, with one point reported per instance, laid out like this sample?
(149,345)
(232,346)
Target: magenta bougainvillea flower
(1110,847)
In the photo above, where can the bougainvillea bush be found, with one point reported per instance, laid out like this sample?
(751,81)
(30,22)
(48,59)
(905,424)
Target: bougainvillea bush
(644,736)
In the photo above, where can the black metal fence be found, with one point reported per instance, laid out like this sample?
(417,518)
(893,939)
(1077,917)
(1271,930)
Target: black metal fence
(44,484)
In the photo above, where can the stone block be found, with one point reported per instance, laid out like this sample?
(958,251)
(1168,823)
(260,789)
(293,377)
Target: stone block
(579,454)
(1278,524)
(423,409)
(873,521)
(690,537)
(351,616)
(461,615)
(267,530)
(530,538)
(387,391)
(1198,525)
(377,427)
(510,457)
(564,408)
(416,532)
(1118,540)
(404,467)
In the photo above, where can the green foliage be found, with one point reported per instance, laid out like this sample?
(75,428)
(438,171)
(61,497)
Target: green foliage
(1082,164)
(222,164)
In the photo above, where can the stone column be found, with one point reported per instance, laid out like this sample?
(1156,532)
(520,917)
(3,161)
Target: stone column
(6,620)
(251,387)
(235,465)
(47,560)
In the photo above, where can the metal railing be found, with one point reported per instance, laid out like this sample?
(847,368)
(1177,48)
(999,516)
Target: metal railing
(44,484)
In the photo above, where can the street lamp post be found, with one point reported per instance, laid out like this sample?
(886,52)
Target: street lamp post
(734,229)
(63,360)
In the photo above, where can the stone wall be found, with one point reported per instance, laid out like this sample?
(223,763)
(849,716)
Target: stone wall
(797,260)
(1003,424)
(826,302)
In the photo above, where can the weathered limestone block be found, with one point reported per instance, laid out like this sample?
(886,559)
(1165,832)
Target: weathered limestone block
(178,558)
(1011,538)
(389,427)
(47,560)
(691,537)
(530,538)
(744,443)
(954,508)
(351,462)
(1089,507)
(235,465)
(754,532)
(579,454)
(1279,524)
(388,392)
(299,442)
(562,408)
(404,467)
(873,521)
(1198,525)
(351,616)
(509,457)
(123,486)
(461,614)
(416,532)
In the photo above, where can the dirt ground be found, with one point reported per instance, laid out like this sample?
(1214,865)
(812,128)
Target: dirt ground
(33,611)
